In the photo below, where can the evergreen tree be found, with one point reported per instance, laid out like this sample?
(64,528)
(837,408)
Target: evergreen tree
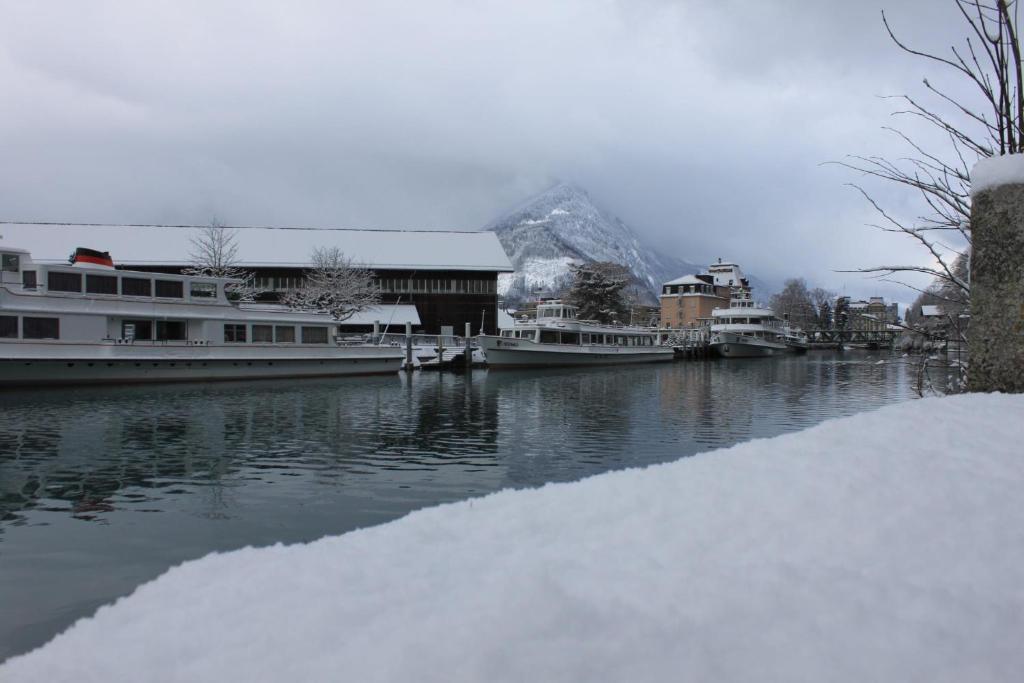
(598,289)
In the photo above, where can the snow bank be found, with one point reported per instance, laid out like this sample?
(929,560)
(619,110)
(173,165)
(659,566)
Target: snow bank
(885,546)
(994,171)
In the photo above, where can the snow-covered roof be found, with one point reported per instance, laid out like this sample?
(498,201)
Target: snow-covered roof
(687,280)
(930,311)
(149,245)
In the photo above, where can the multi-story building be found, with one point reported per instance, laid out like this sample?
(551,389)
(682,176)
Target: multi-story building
(450,277)
(688,300)
(873,315)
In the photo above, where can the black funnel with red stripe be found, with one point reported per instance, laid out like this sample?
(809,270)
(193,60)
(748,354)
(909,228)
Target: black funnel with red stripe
(92,257)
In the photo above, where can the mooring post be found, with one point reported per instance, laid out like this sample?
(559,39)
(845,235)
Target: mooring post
(469,347)
(408,346)
(996,333)
(376,331)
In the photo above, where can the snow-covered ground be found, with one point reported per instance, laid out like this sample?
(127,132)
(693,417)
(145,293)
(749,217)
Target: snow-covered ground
(888,546)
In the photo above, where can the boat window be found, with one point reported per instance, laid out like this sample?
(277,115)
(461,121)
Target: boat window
(585,338)
(170,289)
(28,279)
(101,284)
(234,334)
(136,286)
(143,329)
(8,327)
(263,333)
(203,290)
(284,334)
(548,337)
(40,328)
(621,341)
(173,330)
(9,263)
(314,335)
(64,282)
(570,338)
(508,333)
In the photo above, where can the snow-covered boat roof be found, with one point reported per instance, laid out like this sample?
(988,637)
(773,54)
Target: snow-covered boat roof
(743,312)
(395,314)
(265,247)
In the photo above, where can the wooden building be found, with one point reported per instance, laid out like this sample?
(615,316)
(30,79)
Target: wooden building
(450,277)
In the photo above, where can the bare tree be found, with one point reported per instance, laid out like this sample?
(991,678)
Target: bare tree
(335,285)
(795,305)
(990,61)
(214,253)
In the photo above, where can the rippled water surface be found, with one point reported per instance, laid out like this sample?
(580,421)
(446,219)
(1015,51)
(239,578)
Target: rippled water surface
(103,489)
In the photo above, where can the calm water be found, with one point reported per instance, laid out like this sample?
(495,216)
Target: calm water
(103,489)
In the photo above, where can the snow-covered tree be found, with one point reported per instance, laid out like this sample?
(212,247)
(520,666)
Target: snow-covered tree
(598,289)
(335,285)
(214,253)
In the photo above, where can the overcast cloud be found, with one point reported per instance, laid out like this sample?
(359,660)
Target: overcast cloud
(701,124)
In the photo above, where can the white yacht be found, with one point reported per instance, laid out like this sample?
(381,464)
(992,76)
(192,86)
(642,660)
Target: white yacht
(795,339)
(89,323)
(743,330)
(557,338)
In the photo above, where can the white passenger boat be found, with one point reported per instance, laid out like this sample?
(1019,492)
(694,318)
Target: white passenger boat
(557,338)
(746,331)
(89,323)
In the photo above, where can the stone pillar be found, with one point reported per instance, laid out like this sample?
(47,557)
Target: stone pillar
(996,334)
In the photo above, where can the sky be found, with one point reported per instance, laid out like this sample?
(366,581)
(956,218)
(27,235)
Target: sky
(704,125)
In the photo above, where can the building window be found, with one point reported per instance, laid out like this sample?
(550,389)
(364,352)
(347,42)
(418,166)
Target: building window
(234,334)
(284,334)
(101,284)
(203,290)
(135,286)
(8,327)
(28,279)
(171,330)
(40,328)
(263,333)
(9,263)
(140,329)
(170,289)
(64,282)
(314,335)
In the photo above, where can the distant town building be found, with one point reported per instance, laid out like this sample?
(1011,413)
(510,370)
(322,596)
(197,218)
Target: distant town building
(873,315)
(450,277)
(688,300)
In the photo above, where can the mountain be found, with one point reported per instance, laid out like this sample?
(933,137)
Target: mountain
(561,226)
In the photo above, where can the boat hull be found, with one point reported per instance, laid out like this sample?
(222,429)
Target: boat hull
(502,353)
(737,346)
(97,365)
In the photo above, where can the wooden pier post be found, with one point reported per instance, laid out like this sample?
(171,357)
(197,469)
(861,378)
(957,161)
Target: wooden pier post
(469,348)
(408,346)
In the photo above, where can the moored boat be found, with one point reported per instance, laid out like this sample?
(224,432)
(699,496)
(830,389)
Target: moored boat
(89,323)
(557,338)
(746,333)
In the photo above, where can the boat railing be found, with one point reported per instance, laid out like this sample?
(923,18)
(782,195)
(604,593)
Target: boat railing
(432,340)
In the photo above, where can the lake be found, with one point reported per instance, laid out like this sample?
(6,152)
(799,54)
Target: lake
(102,489)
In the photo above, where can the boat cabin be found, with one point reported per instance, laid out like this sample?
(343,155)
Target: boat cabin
(90,300)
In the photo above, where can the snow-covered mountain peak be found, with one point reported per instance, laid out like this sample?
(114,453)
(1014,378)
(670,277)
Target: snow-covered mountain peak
(561,226)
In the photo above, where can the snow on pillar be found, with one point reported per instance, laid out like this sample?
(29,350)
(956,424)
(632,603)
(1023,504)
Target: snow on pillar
(996,334)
